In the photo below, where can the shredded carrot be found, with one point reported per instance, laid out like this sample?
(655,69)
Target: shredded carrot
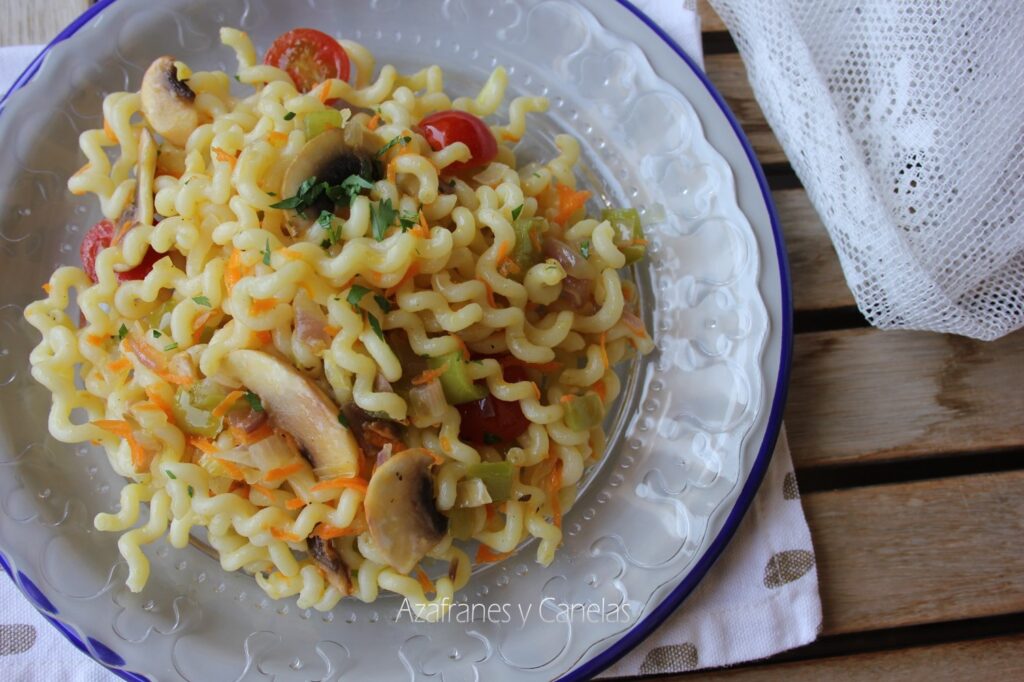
(428,375)
(600,389)
(392,171)
(262,433)
(423,222)
(291,255)
(567,398)
(535,240)
(536,390)
(108,130)
(325,92)
(118,365)
(234,270)
(277,139)
(446,445)
(262,305)
(424,579)
(199,325)
(509,137)
(604,349)
(490,293)
(47,288)
(334,483)
(176,379)
(373,122)
(331,330)
(225,405)
(202,444)
(285,535)
(233,470)
(224,156)
(639,242)
(411,272)
(147,405)
(282,472)
(635,328)
(241,488)
(121,232)
(295,503)
(119,427)
(505,265)
(422,228)
(462,346)
(267,492)
(264,337)
(149,356)
(485,555)
(328,532)
(554,485)
(95,339)
(569,201)
(157,400)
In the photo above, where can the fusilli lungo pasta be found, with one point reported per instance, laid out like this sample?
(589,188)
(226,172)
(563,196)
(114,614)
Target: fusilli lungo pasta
(340,328)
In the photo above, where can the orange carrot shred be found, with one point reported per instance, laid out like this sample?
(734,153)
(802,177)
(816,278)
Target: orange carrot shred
(328,532)
(233,470)
(325,92)
(157,400)
(411,272)
(490,293)
(446,445)
(225,405)
(295,503)
(264,337)
(108,130)
(282,472)
(374,122)
(234,270)
(424,580)
(485,555)
(567,398)
(95,339)
(47,288)
(119,427)
(277,139)
(428,375)
(392,171)
(199,325)
(121,232)
(462,346)
(118,365)
(509,137)
(554,485)
(202,444)
(266,492)
(633,327)
(262,433)
(284,535)
(569,201)
(335,483)
(604,349)
(262,305)
(600,389)
(224,156)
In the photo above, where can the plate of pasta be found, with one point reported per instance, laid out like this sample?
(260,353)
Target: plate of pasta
(444,338)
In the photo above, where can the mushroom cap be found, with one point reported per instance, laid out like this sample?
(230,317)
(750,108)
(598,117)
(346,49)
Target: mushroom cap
(168,103)
(328,558)
(299,407)
(400,510)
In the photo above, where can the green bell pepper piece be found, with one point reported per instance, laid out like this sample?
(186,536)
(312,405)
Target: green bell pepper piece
(626,222)
(584,412)
(524,253)
(497,476)
(193,409)
(458,387)
(319,121)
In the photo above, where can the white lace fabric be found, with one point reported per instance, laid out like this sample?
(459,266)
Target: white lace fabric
(904,119)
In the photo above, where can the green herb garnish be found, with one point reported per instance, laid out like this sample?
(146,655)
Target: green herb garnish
(327,224)
(170,346)
(516,211)
(202,300)
(191,491)
(170,474)
(384,304)
(157,334)
(122,332)
(266,253)
(381,217)
(585,248)
(289,116)
(375,326)
(408,221)
(254,401)
(355,295)
(398,139)
(342,419)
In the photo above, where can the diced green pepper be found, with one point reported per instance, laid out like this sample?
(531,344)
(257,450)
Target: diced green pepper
(497,476)
(458,387)
(156,318)
(584,412)
(319,121)
(626,222)
(528,231)
(193,409)
(462,523)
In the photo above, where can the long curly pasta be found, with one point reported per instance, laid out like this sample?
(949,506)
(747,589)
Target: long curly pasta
(200,260)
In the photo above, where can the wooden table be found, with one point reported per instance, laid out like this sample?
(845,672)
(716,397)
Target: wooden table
(909,449)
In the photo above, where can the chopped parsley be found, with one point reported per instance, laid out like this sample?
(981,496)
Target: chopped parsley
(342,419)
(381,217)
(289,116)
(170,474)
(398,139)
(202,300)
(327,224)
(309,191)
(157,334)
(491,439)
(191,491)
(266,253)
(384,304)
(516,211)
(254,401)
(355,295)
(585,248)
(348,190)
(170,346)
(375,326)
(122,332)
(408,220)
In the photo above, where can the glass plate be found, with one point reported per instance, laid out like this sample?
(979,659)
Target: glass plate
(689,441)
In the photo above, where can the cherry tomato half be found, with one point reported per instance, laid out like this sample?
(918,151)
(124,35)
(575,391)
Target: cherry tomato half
(446,127)
(490,421)
(309,56)
(98,238)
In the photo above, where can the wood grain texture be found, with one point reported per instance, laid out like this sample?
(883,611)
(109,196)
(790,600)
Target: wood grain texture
(861,395)
(709,19)
(818,281)
(23,22)
(729,75)
(996,658)
(921,552)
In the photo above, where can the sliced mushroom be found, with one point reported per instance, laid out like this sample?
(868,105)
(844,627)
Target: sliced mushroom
(371,433)
(168,103)
(400,509)
(299,407)
(327,557)
(332,156)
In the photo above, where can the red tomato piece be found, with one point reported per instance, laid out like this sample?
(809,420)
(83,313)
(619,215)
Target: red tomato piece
(447,127)
(100,237)
(490,421)
(309,56)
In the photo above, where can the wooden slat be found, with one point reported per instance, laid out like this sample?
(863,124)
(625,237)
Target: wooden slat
(818,281)
(996,658)
(729,75)
(862,395)
(26,23)
(922,552)
(709,20)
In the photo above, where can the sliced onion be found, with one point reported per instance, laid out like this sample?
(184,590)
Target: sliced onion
(384,454)
(382,385)
(571,260)
(237,455)
(310,323)
(248,420)
(471,493)
(273,452)
(427,401)
(578,293)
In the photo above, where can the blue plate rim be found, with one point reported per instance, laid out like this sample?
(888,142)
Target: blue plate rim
(660,613)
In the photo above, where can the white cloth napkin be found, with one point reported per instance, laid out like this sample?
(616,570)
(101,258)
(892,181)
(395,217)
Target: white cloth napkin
(760,598)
